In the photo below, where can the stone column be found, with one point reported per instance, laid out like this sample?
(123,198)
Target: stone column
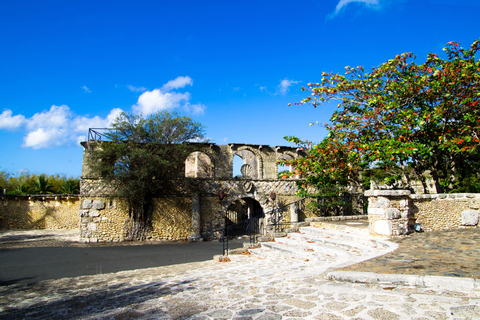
(195,236)
(388,211)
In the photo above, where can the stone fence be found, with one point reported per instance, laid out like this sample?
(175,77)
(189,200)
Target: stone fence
(396,212)
(39,212)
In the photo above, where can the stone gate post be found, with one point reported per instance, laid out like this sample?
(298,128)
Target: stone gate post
(388,211)
(195,236)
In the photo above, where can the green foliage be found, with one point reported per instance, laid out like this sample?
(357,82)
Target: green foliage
(70,186)
(405,115)
(145,157)
(42,186)
(26,183)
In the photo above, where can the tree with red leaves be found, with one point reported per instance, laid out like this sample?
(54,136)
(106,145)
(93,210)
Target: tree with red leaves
(416,117)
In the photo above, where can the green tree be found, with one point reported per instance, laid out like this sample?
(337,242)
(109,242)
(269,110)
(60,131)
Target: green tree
(42,185)
(70,186)
(416,117)
(144,158)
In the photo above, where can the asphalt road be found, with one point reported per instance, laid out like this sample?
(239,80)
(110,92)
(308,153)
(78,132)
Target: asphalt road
(32,264)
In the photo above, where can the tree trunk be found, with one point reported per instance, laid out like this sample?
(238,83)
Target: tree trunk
(138,225)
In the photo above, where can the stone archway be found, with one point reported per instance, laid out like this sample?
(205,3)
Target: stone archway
(244,215)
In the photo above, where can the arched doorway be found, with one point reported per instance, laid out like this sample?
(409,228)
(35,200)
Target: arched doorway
(244,217)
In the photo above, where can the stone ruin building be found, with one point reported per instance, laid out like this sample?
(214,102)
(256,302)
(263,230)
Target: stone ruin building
(200,215)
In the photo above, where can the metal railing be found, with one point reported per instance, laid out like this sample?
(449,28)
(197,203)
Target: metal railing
(276,220)
(248,227)
(97,134)
(252,227)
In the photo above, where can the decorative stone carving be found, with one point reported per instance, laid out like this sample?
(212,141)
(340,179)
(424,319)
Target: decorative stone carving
(246,171)
(248,187)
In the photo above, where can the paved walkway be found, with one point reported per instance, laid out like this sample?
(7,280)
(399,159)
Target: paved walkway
(454,253)
(245,288)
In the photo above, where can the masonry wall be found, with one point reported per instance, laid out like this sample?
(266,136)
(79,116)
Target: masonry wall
(445,211)
(397,212)
(107,219)
(39,212)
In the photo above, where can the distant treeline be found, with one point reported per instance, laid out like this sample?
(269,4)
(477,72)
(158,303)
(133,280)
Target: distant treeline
(38,184)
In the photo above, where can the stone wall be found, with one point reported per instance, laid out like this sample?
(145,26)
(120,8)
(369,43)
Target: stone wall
(445,211)
(39,212)
(396,212)
(107,220)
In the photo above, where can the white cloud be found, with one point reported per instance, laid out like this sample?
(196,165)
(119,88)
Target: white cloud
(136,89)
(284,86)
(152,101)
(54,127)
(166,99)
(8,122)
(195,108)
(59,126)
(344,3)
(86,89)
(177,83)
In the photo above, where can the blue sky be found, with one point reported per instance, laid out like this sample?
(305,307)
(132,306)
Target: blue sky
(233,65)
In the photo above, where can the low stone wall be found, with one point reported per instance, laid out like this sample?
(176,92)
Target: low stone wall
(436,212)
(39,212)
(395,212)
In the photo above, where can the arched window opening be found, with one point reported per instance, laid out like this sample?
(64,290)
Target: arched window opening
(283,170)
(249,165)
(237,166)
(198,165)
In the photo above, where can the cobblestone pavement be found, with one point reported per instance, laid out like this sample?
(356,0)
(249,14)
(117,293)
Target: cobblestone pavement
(252,288)
(454,253)
(245,288)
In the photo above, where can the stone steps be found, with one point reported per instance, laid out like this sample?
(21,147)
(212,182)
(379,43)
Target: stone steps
(327,246)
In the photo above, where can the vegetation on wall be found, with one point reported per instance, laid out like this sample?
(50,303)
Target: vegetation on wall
(38,184)
(401,116)
(145,157)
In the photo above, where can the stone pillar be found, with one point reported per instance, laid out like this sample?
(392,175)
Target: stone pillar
(195,236)
(294,212)
(388,211)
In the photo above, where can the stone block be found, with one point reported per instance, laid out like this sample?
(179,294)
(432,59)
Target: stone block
(388,193)
(402,227)
(92,226)
(98,205)
(383,227)
(381,202)
(85,219)
(83,213)
(376,211)
(404,203)
(94,213)
(392,213)
(469,218)
(87,204)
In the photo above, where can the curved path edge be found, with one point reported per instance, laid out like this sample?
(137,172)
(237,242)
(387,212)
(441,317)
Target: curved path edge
(434,282)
